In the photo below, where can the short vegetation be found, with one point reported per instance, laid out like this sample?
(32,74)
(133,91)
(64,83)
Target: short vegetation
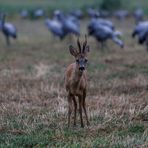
(33,101)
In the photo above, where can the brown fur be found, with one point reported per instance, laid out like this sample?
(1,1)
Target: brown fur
(76,85)
(75,82)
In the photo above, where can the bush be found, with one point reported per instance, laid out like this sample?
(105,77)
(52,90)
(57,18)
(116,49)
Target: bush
(111,4)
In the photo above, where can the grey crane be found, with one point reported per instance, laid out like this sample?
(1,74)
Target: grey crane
(8,29)
(104,32)
(121,14)
(24,13)
(141,31)
(104,13)
(94,23)
(62,25)
(69,23)
(55,26)
(38,13)
(93,12)
(139,28)
(77,13)
(138,15)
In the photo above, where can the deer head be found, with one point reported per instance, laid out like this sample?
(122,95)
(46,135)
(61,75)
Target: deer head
(80,54)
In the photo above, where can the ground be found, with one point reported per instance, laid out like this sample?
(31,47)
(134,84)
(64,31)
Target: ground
(33,103)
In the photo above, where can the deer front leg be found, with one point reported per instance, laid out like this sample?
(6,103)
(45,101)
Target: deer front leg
(69,108)
(80,110)
(75,109)
(84,108)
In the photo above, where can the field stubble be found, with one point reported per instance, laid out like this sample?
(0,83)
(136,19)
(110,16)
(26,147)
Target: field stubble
(33,104)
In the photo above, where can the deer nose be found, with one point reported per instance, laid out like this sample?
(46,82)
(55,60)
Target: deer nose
(82,68)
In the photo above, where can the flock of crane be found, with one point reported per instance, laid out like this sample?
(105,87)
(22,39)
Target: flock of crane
(102,29)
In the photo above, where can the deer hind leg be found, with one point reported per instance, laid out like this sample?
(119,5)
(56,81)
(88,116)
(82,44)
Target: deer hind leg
(75,109)
(84,108)
(69,108)
(80,110)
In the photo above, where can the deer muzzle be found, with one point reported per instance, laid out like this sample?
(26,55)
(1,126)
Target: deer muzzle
(81,68)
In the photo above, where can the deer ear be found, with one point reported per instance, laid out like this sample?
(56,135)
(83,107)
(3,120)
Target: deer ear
(73,51)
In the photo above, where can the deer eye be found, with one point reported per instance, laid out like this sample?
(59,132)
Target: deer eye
(77,60)
(86,60)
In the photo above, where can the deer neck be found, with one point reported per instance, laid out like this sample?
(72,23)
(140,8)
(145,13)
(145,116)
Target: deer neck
(77,75)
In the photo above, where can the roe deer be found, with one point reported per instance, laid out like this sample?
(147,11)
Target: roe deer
(76,81)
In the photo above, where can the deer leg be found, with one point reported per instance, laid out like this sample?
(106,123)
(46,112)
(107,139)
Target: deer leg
(75,109)
(69,108)
(84,108)
(80,110)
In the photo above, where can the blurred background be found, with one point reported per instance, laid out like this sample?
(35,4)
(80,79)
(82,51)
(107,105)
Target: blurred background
(14,6)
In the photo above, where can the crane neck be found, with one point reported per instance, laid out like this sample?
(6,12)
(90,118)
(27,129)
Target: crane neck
(3,20)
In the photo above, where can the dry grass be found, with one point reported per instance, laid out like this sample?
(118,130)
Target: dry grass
(33,105)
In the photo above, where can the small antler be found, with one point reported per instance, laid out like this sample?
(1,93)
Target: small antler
(85,43)
(79,45)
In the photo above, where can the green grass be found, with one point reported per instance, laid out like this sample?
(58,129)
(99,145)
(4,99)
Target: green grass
(138,68)
(54,135)
(49,5)
(97,67)
(131,71)
(122,75)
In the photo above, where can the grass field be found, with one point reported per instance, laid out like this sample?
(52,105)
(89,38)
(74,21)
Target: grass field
(50,5)
(33,104)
